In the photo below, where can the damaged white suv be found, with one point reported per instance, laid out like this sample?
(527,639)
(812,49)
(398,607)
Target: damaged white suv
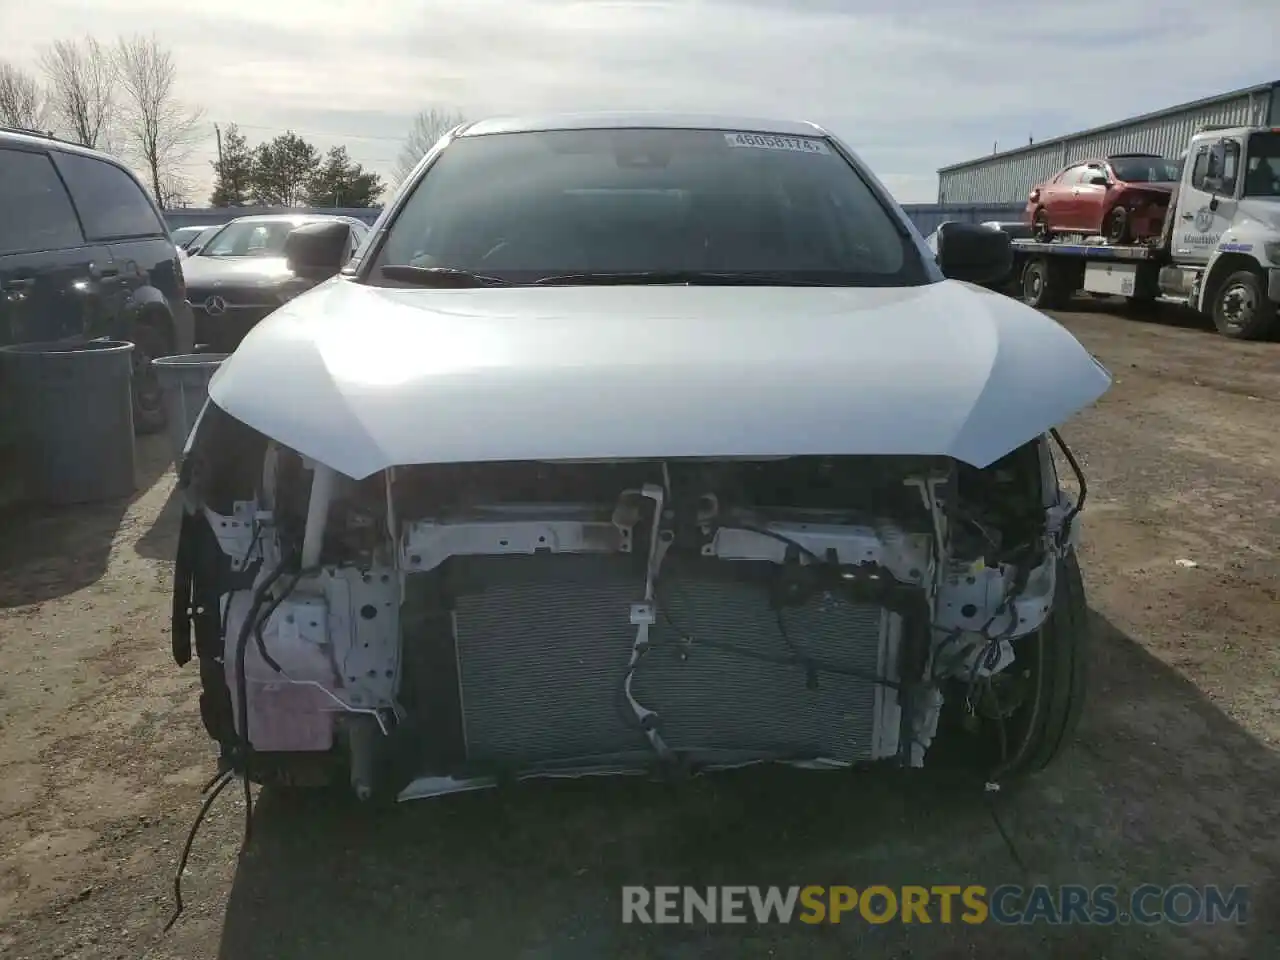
(627,444)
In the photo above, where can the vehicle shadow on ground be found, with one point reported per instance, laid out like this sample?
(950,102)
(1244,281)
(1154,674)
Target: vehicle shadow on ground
(1160,787)
(160,542)
(1155,314)
(49,552)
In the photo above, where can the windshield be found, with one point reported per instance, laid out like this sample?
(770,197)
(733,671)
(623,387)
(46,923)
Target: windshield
(1262,169)
(183,234)
(523,207)
(262,238)
(1145,169)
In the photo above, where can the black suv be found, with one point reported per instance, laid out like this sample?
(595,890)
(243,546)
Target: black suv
(85,254)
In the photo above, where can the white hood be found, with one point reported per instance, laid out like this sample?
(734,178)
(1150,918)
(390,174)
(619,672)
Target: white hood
(362,378)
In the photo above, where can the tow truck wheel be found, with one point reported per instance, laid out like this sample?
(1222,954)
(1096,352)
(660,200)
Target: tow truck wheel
(1117,225)
(1041,285)
(1241,309)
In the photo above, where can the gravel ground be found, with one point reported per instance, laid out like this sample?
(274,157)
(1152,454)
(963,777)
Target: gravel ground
(1175,776)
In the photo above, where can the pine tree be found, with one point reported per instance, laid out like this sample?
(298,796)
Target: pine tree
(233,176)
(342,183)
(283,168)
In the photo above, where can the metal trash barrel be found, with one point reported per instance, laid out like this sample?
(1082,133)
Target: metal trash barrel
(185,382)
(73,404)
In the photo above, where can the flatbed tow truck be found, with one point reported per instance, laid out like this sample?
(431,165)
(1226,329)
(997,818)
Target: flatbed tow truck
(1219,251)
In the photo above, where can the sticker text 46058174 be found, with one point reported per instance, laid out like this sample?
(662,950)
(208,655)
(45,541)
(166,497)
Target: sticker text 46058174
(769,141)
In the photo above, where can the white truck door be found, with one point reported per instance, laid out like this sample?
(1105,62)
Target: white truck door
(1206,200)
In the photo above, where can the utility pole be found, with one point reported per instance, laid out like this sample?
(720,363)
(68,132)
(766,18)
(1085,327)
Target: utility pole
(217,132)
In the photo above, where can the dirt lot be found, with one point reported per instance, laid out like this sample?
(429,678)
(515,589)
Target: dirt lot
(1175,778)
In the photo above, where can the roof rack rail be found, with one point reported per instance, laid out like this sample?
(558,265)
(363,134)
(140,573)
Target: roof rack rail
(29,132)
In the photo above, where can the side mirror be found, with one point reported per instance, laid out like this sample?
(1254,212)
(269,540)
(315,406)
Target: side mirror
(1098,180)
(317,250)
(975,254)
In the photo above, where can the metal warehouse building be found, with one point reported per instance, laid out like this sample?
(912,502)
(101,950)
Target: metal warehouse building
(1005,178)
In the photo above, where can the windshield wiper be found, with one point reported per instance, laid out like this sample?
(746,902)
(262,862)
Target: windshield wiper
(707,278)
(444,277)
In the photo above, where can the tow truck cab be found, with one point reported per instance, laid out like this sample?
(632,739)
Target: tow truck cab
(1223,230)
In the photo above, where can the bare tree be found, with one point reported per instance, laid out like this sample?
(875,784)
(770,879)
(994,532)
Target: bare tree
(428,127)
(158,128)
(175,191)
(21,99)
(80,75)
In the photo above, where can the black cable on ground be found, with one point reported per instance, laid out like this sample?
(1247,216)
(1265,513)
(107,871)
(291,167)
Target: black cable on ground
(222,772)
(992,787)
(218,783)
(1008,840)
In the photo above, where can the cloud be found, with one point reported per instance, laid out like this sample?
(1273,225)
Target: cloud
(911,87)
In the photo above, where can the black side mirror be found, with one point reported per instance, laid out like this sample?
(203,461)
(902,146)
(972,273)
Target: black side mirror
(318,250)
(1098,180)
(972,253)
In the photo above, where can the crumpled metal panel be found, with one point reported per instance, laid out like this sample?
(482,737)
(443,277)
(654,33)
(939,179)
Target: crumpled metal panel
(543,655)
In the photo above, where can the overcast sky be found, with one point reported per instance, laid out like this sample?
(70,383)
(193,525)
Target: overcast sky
(911,86)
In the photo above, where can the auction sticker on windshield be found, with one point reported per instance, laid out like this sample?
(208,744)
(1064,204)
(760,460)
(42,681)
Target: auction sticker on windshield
(768,141)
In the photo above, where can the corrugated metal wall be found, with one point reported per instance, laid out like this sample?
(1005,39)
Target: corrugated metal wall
(929,216)
(1007,177)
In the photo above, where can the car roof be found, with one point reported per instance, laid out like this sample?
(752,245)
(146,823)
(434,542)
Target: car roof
(639,121)
(45,141)
(289,218)
(34,138)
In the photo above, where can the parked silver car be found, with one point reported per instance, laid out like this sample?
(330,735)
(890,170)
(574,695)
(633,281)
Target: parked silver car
(635,443)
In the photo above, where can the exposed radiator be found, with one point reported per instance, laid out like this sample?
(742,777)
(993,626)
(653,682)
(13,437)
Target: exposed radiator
(543,642)
(714,697)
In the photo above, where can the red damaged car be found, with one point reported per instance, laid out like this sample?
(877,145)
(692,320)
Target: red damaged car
(1122,197)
